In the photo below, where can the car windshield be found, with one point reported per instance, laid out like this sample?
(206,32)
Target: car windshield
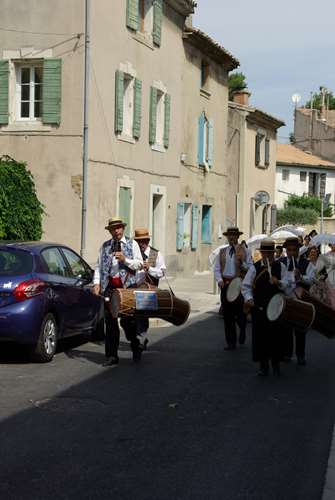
(15,262)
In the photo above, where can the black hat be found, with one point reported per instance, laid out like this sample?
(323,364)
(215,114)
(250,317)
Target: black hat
(292,241)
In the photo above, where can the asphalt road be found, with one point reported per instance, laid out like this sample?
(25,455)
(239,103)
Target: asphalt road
(192,422)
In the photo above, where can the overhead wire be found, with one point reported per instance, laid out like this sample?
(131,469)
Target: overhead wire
(43,33)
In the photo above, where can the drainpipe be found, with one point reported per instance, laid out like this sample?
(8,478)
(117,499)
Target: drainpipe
(85,128)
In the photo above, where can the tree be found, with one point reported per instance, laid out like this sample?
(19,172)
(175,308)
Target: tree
(317,100)
(296,216)
(20,210)
(236,82)
(306,202)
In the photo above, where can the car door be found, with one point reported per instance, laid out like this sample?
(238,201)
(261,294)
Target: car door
(88,304)
(63,294)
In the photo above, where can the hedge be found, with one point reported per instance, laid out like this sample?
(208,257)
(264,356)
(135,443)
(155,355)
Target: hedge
(20,210)
(294,215)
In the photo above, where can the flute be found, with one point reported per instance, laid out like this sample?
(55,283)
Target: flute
(269,269)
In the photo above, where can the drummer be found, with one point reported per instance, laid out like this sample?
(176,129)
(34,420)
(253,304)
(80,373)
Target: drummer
(153,270)
(119,259)
(296,266)
(231,262)
(264,279)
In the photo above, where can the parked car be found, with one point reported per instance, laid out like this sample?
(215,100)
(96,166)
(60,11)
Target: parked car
(45,295)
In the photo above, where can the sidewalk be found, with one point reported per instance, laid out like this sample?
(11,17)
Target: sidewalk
(198,290)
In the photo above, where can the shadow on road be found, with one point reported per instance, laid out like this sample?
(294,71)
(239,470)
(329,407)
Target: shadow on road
(190,422)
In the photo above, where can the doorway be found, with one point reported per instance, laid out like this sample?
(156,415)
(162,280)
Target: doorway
(157,217)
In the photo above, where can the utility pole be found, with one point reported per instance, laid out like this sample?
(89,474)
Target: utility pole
(311,126)
(85,128)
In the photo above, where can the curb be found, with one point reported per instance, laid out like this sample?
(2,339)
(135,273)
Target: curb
(329,487)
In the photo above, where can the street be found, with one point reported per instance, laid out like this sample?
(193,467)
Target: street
(190,422)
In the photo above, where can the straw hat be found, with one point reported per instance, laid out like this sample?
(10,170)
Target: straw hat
(232,231)
(267,245)
(142,234)
(115,222)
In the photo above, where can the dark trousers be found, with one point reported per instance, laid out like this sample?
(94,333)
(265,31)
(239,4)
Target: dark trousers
(266,339)
(300,343)
(233,313)
(112,338)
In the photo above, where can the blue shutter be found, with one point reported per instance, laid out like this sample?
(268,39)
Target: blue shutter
(158,19)
(206,224)
(133,18)
(4,77)
(201,143)
(180,225)
(195,224)
(210,143)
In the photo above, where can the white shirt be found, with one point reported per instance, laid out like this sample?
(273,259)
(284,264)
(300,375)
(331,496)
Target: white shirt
(134,264)
(248,282)
(230,264)
(309,277)
(156,272)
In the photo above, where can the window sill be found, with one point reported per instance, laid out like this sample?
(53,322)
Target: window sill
(126,138)
(144,39)
(158,147)
(26,127)
(205,93)
(263,167)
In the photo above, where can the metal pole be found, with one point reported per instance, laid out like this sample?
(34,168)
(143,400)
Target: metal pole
(85,129)
(321,220)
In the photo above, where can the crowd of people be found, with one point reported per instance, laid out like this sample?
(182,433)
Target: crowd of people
(273,269)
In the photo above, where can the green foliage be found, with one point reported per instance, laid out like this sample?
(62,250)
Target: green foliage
(236,81)
(295,215)
(308,202)
(20,210)
(317,100)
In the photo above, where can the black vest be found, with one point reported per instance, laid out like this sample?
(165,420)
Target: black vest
(263,289)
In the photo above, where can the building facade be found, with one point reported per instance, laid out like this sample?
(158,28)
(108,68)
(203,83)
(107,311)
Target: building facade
(300,173)
(157,115)
(251,161)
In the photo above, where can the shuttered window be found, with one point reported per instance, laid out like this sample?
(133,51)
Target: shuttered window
(206,224)
(258,149)
(195,227)
(133,17)
(267,152)
(52,91)
(180,225)
(4,77)
(137,108)
(119,88)
(205,141)
(167,114)
(153,115)
(323,180)
(157,23)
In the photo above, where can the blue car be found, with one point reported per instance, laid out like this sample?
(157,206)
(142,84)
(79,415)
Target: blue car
(45,295)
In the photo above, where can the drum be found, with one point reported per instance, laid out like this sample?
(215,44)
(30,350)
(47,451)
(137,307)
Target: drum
(234,289)
(324,315)
(293,312)
(153,303)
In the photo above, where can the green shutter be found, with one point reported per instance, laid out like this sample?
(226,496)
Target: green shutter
(52,91)
(180,226)
(137,108)
(167,114)
(201,143)
(133,18)
(158,19)
(119,87)
(153,115)
(4,76)
(210,143)
(195,225)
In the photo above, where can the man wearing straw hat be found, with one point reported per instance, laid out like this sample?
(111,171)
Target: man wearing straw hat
(229,264)
(296,266)
(119,259)
(153,270)
(263,280)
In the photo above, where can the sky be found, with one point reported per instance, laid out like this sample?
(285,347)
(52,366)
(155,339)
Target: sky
(284,48)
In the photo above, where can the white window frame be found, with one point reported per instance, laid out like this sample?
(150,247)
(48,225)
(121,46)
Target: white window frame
(129,74)
(19,66)
(160,117)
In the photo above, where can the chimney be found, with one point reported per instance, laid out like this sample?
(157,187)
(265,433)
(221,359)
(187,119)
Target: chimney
(242,97)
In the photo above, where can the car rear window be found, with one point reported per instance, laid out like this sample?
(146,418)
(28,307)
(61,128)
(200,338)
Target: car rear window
(15,262)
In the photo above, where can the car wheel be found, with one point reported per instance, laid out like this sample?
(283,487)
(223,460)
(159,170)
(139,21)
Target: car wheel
(99,330)
(47,342)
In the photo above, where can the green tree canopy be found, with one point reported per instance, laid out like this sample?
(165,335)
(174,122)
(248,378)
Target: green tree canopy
(20,210)
(308,203)
(317,100)
(236,81)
